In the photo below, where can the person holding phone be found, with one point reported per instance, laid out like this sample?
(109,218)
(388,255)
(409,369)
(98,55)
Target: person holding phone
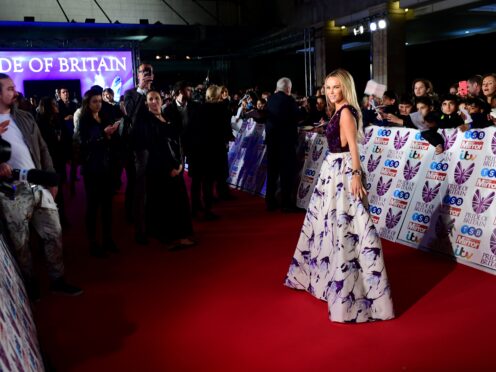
(168,215)
(95,134)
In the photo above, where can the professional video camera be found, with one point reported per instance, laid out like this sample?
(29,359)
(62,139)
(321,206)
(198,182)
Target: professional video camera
(34,176)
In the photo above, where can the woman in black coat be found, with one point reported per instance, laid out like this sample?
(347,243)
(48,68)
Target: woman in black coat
(95,136)
(209,135)
(167,205)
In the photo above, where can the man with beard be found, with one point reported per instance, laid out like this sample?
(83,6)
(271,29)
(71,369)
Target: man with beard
(33,204)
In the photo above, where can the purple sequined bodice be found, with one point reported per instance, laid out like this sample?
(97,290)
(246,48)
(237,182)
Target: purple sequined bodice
(332,131)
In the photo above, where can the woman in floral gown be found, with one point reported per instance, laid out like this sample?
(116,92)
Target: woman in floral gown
(339,257)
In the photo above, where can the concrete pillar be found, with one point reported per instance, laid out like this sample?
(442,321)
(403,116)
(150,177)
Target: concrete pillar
(388,51)
(328,41)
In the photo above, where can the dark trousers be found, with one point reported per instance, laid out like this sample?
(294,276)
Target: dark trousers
(99,192)
(130,167)
(167,207)
(202,189)
(281,165)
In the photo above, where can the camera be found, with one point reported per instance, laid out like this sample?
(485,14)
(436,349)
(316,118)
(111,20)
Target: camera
(34,176)
(5,150)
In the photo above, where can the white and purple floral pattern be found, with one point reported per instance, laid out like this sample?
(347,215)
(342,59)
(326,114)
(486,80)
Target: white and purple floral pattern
(338,258)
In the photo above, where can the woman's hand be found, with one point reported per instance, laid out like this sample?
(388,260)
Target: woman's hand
(176,172)
(4,125)
(357,189)
(110,129)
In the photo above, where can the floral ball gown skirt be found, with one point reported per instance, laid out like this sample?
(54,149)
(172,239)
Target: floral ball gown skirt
(339,257)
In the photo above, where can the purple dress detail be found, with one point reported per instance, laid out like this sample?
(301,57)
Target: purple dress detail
(338,257)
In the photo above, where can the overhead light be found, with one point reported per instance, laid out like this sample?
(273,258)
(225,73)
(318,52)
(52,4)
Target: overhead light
(355,31)
(343,27)
(406,10)
(360,29)
(188,57)
(382,24)
(373,26)
(158,57)
(406,43)
(167,57)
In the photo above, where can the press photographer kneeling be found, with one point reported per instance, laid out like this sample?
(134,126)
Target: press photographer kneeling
(28,204)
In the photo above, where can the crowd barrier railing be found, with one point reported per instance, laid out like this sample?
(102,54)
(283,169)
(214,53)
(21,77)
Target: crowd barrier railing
(19,350)
(441,203)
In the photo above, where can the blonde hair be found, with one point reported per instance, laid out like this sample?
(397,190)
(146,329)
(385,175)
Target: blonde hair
(349,94)
(213,94)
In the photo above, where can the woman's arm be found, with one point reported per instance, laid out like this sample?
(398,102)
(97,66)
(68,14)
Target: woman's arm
(348,128)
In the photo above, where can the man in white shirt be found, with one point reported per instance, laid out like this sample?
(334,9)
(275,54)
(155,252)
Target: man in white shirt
(33,204)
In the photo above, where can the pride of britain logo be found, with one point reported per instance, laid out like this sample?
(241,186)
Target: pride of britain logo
(410,170)
(392,219)
(429,193)
(463,174)
(383,187)
(316,153)
(303,191)
(399,140)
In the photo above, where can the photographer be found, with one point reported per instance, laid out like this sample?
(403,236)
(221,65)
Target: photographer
(33,204)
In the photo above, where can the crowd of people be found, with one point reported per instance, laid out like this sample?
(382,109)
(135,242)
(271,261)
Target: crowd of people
(153,136)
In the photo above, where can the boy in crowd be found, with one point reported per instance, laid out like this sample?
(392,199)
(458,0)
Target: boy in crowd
(425,120)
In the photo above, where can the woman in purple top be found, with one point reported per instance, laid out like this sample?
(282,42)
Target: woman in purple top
(339,257)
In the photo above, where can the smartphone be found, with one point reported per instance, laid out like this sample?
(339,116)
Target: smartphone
(147,71)
(462,88)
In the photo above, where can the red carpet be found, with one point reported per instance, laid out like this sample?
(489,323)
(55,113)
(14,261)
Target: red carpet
(221,306)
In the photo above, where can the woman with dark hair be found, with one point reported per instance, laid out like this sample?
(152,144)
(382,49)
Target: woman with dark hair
(167,205)
(54,133)
(95,135)
(489,88)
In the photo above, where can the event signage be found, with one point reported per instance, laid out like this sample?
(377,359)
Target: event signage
(109,69)
(444,203)
(247,159)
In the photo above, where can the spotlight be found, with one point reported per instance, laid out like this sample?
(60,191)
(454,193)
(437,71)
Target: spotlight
(167,57)
(382,24)
(406,10)
(158,57)
(360,29)
(373,26)
(188,57)
(343,27)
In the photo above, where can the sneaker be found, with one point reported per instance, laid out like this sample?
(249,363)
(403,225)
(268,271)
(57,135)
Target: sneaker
(60,286)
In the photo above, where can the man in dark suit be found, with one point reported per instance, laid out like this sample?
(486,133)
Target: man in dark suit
(281,140)
(134,103)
